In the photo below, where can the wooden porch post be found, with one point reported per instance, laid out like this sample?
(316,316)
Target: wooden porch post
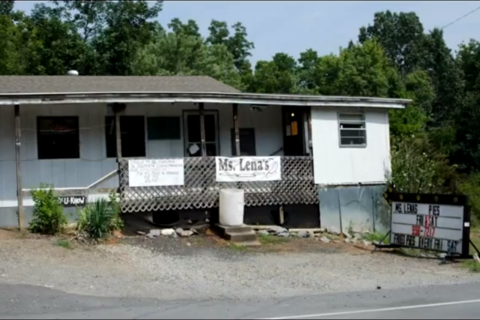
(236,130)
(18,135)
(118,134)
(203,146)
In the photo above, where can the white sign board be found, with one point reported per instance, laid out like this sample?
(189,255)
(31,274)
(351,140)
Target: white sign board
(155,172)
(427,226)
(243,169)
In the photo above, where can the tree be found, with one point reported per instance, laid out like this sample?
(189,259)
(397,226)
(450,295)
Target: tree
(6,7)
(401,35)
(276,76)
(178,53)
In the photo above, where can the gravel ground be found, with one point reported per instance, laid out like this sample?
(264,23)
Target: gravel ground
(178,269)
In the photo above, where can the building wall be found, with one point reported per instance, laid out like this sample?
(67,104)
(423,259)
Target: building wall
(335,165)
(93,163)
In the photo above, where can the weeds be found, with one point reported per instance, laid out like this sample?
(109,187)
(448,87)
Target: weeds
(268,239)
(48,217)
(98,220)
(376,236)
(471,265)
(64,243)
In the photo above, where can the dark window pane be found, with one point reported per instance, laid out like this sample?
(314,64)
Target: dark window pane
(193,128)
(247,142)
(352,125)
(211,149)
(352,133)
(163,128)
(210,128)
(132,136)
(58,138)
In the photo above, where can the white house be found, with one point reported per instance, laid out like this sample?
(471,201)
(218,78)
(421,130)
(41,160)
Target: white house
(63,131)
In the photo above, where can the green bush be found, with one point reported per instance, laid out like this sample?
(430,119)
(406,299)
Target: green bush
(98,220)
(417,167)
(48,217)
(471,188)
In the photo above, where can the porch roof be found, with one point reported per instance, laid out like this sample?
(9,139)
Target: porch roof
(160,89)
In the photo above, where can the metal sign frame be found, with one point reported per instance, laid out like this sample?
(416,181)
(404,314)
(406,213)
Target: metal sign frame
(438,199)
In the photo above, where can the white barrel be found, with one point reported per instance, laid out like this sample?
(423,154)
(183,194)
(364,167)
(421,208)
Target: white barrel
(231,207)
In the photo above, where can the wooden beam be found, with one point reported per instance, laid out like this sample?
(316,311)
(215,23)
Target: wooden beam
(118,135)
(18,135)
(203,146)
(236,129)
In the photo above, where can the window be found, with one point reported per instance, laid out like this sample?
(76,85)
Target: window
(193,136)
(132,135)
(58,138)
(247,142)
(352,130)
(163,128)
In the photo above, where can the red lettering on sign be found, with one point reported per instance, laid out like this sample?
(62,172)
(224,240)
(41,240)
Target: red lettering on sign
(415,231)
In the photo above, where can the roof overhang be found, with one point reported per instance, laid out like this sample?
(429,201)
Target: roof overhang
(200,97)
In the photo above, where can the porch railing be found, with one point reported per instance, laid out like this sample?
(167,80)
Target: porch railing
(201,190)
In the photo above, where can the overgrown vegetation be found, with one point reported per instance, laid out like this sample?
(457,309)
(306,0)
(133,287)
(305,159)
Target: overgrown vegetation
(98,220)
(48,217)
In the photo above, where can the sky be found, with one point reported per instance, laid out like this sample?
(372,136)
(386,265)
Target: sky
(325,26)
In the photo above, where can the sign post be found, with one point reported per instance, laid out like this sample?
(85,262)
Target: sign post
(434,222)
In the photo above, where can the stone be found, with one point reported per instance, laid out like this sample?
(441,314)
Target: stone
(141,233)
(167,232)
(185,233)
(347,235)
(277,229)
(325,239)
(366,243)
(263,232)
(347,240)
(154,233)
(179,230)
(303,234)
(358,236)
(284,234)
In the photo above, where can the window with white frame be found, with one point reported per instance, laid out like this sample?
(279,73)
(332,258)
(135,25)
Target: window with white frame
(352,129)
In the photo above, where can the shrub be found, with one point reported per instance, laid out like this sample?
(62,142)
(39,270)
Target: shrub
(471,188)
(48,217)
(98,220)
(417,167)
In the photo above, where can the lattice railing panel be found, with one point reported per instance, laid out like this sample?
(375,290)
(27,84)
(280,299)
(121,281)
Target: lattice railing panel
(202,191)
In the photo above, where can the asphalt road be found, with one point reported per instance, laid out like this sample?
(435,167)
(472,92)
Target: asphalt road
(435,302)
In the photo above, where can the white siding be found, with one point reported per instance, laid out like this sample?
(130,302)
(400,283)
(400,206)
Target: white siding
(335,165)
(93,163)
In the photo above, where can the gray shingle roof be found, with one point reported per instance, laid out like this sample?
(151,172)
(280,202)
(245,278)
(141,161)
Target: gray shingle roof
(64,84)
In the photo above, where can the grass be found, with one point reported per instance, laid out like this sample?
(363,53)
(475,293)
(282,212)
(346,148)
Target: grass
(237,247)
(376,236)
(475,237)
(64,243)
(268,239)
(471,265)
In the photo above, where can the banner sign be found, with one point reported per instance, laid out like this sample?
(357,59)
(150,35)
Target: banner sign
(243,169)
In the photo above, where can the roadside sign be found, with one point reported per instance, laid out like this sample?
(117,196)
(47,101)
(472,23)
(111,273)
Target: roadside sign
(430,222)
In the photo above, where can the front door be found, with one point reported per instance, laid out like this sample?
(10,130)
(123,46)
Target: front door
(193,140)
(294,125)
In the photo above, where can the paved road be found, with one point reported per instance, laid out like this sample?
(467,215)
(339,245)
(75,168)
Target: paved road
(439,302)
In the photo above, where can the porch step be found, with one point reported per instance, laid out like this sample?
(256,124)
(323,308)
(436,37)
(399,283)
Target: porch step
(227,229)
(241,235)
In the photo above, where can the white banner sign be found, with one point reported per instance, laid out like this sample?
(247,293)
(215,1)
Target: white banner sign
(242,169)
(155,172)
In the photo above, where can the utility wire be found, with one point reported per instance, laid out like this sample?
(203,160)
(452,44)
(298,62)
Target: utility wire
(464,16)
